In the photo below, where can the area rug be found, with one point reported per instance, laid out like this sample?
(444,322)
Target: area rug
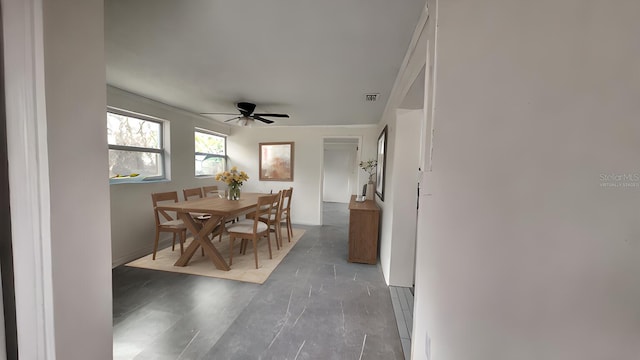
(243,268)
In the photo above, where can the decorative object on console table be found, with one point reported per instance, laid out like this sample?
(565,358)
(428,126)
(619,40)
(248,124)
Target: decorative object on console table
(234,179)
(364,219)
(369,167)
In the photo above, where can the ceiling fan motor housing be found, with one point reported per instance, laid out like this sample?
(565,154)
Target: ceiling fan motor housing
(246,108)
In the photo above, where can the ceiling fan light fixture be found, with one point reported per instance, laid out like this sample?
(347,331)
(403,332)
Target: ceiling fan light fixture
(245,121)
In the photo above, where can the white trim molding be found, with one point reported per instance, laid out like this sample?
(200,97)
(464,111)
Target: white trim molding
(414,61)
(28,177)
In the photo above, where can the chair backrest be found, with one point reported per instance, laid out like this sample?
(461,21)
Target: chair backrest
(277,205)
(264,207)
(192,193)
(162,197)
(212,191)
(286,200)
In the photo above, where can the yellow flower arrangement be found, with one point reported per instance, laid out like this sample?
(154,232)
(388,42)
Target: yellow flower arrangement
(233,177)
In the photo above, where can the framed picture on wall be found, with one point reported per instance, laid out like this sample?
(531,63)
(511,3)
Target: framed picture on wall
(380,168)
(276,161)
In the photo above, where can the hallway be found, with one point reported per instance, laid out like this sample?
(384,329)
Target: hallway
(315,305)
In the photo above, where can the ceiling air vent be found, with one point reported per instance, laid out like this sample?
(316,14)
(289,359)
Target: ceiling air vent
(371,97)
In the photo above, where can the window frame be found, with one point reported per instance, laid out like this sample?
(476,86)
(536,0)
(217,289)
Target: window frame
(162,151)
(196,153)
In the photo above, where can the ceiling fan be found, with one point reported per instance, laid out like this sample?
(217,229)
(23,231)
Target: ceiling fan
(247,115)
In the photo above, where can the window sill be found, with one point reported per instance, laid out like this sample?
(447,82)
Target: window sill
(136,180)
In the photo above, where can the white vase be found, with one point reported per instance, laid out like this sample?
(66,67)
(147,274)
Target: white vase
(370,190)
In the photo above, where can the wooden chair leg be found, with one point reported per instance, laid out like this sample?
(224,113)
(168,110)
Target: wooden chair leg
(255,250)
(289,228)
(230,250)
(155,244)
(173,242)
(183,238)
(275,231)
(269,243)
(279,230)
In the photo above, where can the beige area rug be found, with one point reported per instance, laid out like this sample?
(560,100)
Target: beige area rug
(243,268)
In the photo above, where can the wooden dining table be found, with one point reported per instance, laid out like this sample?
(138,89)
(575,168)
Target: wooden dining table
(221,210)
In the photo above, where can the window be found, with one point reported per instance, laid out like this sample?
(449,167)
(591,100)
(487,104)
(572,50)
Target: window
(211,153)
(136,149)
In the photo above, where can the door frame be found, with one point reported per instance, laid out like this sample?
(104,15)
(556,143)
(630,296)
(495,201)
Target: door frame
(29,177)
(358,159)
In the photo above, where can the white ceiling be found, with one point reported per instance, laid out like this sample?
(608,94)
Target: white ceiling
(312,59)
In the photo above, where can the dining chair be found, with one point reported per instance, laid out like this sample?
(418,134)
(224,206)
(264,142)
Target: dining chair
(192,193)
(252,229)
(273,219)
(212,191)
(285,213)
(167,223)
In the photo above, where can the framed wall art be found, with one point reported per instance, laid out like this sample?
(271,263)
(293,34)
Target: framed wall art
(380,168)
(276,161)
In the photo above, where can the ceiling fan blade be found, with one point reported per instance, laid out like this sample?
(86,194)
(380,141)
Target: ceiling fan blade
(217,113)
(266,121)
(273,115)
(235,118)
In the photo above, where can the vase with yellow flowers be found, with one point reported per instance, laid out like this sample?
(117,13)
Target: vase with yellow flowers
(233,178)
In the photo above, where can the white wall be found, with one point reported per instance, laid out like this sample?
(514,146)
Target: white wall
(306,202)
(340,172)
(77,139)
(132,221)
(403,197)
(408,87)
(398,224)
(526,255)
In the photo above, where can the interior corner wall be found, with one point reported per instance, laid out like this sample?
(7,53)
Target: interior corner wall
(532,240)
(406,158)
(397,229)
(306,203)
(412,68)
(132,220)
(79,190)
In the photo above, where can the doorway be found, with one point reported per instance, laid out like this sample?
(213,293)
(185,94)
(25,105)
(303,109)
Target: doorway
(340,169)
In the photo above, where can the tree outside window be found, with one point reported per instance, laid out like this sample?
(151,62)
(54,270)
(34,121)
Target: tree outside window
(135,147)
(210,153)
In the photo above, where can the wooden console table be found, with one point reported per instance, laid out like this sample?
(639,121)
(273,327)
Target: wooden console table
(364,220)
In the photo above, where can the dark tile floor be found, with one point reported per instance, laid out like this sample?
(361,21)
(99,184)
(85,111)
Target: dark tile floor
(315,305)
